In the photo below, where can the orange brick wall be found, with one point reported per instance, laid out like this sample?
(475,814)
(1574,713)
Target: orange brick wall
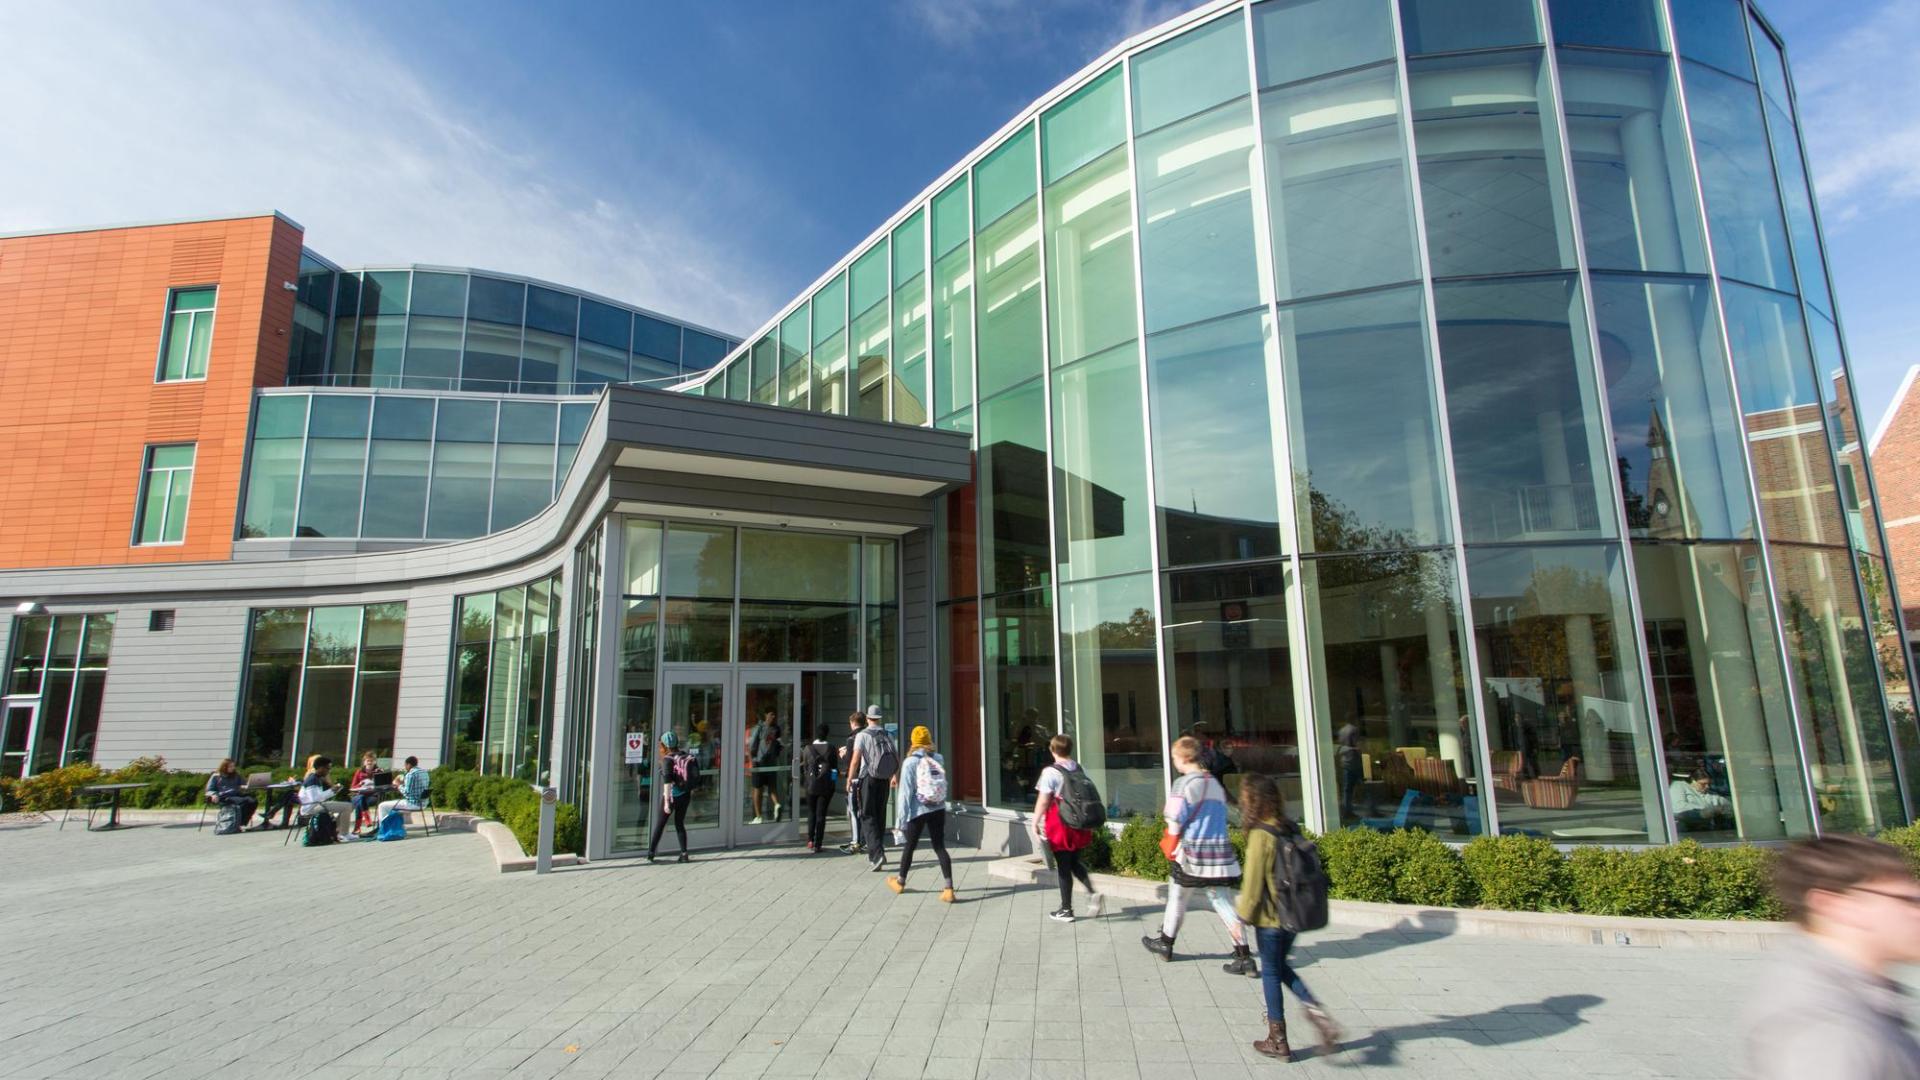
(1896,469)
(81,317)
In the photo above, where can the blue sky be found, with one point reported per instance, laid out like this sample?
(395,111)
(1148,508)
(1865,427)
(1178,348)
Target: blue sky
(710,159)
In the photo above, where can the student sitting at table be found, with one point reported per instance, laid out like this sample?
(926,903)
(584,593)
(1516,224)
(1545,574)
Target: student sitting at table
(317,795)
(284,800)
(366,786)
(413,789)
(227,786)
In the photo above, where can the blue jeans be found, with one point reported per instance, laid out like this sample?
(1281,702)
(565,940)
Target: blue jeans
(1274,972)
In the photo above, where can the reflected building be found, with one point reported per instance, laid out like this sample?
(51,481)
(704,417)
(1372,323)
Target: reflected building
(1439,408)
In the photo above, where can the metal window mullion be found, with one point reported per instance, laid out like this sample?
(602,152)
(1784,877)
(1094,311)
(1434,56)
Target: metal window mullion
(353,695)
(1046,419)
(1306,701)
(493,473)
(1597,373)
(300,691)
(1469,643)
(973,437)
(926,298)
(1760,540)
(73,695)
(366,471)
(1157,584)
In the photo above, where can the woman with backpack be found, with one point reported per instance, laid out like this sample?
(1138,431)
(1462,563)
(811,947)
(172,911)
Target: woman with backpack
(1202,856)
(1266,904)
(678,773)
(923,809)
(816,778)
(1065,781)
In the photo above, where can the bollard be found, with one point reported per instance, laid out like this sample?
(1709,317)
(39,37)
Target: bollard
(543,851)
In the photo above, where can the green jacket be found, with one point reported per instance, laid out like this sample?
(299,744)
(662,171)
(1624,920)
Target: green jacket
(1256,906)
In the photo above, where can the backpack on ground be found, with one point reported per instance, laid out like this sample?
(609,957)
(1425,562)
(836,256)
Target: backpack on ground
(1299,882)
(930,782)
(320,829)
(886,757)
(226,821)
(1080,804)
(393,826)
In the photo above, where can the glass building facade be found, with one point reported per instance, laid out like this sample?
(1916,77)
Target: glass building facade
(1499,342)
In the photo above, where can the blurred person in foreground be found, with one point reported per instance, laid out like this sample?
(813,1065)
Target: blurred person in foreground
(1832,1008)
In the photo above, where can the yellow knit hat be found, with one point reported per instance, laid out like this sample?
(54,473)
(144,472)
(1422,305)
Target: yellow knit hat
(922,739)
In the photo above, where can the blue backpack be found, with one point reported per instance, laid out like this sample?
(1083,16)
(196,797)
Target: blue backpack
(393,826)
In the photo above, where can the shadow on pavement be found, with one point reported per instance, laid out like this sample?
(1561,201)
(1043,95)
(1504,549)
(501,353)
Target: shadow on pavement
(1505,1026)
(1427,927)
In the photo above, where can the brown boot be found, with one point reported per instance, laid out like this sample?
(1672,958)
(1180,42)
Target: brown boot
(1275,1044)
(1328,1030)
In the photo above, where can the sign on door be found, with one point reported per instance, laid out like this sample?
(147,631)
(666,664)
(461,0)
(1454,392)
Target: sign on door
(636,748)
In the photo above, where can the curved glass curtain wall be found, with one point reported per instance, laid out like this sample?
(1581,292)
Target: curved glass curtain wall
(380,466)
(1439,408)
(422,329)
(505,664)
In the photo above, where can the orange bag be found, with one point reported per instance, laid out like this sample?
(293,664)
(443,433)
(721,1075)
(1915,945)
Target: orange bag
(1168,842)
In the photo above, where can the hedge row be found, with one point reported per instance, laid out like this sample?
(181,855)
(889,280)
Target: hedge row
(1520,873)
(511,802)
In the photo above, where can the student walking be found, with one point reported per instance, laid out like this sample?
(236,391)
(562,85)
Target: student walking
(876,761)
(856,723)
(1065,783)
(679,773)
(923,810)
(816,780)
(1282,891)
(1202,857)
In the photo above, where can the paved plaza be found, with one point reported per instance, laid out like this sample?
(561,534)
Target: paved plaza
(157,951)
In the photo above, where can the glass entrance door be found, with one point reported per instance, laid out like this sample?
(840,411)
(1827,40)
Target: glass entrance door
(16,728)
(765,808)
(698,713)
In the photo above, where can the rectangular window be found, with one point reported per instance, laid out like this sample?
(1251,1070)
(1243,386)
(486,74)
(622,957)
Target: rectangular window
(164,484)
(188,335)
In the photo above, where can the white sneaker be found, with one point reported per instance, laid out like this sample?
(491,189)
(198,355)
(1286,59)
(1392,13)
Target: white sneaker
(1095,904)
(755,821)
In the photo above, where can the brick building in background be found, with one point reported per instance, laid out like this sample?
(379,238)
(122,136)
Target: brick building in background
(1896,464)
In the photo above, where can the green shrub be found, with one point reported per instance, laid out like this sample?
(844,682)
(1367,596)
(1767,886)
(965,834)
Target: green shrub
(55,790)
(1907,839)
(452,787)
(1137,851)
(1741,884)
(1359,864)
(523,818)
(140,768)
(1098,855)
(1517,873)
(1428,872)
(1238,838)
(1609,882)
(8,801)
(174,790)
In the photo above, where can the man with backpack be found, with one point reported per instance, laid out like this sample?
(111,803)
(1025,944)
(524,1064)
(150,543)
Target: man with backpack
(876,761)
(1064,817)
(1282,893)
(923,810)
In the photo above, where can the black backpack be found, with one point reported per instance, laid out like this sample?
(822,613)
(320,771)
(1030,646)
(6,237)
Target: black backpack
(1299,882)
(1080,804)
(320,829)
(886,757)
(226,821)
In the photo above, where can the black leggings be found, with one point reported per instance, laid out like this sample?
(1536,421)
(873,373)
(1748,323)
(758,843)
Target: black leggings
(677,809)
(817,818)
(1068,868)
(935,826)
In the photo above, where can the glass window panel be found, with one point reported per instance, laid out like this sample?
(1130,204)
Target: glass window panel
(173,362)
(276,654)
(201,345)
(1194,72)
(1298,39)
(952,223)
(99,640)
(346,305)
(1438,26)
(433,353)
(869,278)
(1676,442)
(1838,402)
(379,349)
(643,558)
(1773,66)
(1366,436)
(910,248)
(552,311)
(738,388)
(83,721)
(658,338)
(326,694)
(830,372)
(1390,710)
(55,700)
(699,560)
(1003,179)
(193,299)
(459,499)
(829,309)
(1831,669)
(1110,689)
(1743,205)
(1786,430)
(376,705)
(336,468)
(910,351)
(273,471)
(1100,458)
(439,294)
(1636,196)
(402,418)
(1230,672)
(396,489)
(1196,205)
(1567,737)
(795,378)
(799,566)
(1214,441)
(701,351)
(384,292)
(1083,127)
(1795,186)
(1612,24)
(872,338)
(798,632)
(604,324)
(952,312)
(506,687)
(491,362)
(465,421)
(1490,177)
(1007,253)
(1713,32)
(1090,290)
(527,422)
(546,362)
(1525,419)
(599,365)
(1725,723)
(496,301)
(957,573)
(765,370)
(522,483)
(1021,713)
(1340,205)
(1013,494)
(695,631)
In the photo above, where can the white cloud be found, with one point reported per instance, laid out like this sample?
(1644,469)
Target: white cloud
(134,113)
(1858,95)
